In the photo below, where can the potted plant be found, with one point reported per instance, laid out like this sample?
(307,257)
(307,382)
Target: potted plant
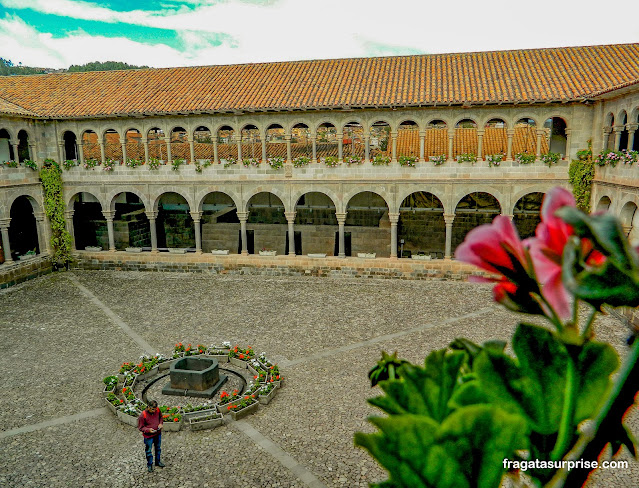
(350,160)
(176,163)
(494,159)
(525,158)
(93,248)
(189,411)
(240,357)
(275,163)
(380,160)
(267,252)
(331,161)
(114,403)
(207,421)
(301,161)
(409,161)
(154,163)
(244,407)
(177,250)
(219,252)
(129,414)
(110,384)
(267,393)
(27,255)
(366,255)
(172,418)
(467,158)
(550,158)
(438,160)
(133,249)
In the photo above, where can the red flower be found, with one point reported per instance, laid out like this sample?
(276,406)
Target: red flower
(241,356)
(246,398)
(229,407)
(277,377)
(176,419)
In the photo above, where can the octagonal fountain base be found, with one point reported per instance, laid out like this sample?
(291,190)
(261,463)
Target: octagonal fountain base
(196,377)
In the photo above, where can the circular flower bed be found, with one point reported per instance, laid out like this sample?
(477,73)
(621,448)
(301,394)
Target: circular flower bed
(124,391)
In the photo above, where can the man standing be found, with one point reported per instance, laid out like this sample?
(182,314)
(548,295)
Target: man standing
(150,424)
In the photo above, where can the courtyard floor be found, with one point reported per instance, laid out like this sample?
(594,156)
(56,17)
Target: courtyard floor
(61,334)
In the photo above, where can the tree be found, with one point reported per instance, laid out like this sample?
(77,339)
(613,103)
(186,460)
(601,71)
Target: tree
(102,66)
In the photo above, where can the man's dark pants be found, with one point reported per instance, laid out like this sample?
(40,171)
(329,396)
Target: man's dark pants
(157,441)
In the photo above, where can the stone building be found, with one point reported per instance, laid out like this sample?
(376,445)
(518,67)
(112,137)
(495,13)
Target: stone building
(398,156)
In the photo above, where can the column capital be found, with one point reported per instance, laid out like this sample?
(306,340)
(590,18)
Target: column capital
(569,131)
(393,133)
(68,214)
(190,140)
(422,133)
(4,223)
(607,130)
(449,218)
(510,132)
(340,216)
(196,216)
(39,216)
(617,128)
(393,217)
(480,132)
(287,137)
(243,216)
(632,127)
(144,140)
(290,216)
(540,132)
(151,214)
(100,142)
(108,214)
(122,141)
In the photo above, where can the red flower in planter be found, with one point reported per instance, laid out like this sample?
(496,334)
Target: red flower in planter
(176,419)
(229,407)
(241,356)
(224,394)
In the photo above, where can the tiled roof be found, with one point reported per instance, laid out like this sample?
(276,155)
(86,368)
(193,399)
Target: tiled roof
(536,75)
(7,107)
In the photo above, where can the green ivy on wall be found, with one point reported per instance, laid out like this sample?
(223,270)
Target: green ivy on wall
(51,177)
(580,175)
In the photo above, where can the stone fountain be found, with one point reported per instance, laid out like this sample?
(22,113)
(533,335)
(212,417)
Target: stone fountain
(195,376)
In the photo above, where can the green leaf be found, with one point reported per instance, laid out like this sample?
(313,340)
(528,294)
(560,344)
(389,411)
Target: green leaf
(469,393)
(595,363)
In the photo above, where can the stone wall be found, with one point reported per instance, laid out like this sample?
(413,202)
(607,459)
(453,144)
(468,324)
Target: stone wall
(20,271)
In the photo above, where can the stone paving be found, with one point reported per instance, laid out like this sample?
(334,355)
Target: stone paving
(60,341)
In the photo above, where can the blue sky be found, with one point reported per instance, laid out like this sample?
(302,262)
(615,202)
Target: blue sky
(160,33)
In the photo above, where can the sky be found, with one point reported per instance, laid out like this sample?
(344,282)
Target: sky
(164,33)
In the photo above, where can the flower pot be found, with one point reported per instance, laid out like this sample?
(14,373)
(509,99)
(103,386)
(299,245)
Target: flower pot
(265,399)
(148,374)
(224,408)
(366,255)
(128,419)
(176,250)
(252,369)
(240,414)
(317,255)
(240,363)
(220,358)
(200,413)
(25,257)
(111,407)
(220,252)
(106,392)
(423,257)
(93,248)
(133,249)
(205,422)
(268,253)
(173,426)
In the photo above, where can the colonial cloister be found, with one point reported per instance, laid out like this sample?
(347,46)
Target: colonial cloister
(398,156)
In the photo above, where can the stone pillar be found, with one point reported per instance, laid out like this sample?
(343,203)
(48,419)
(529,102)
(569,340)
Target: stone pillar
(32,152)
(154,233)
(42,232)
(6,247)
(238,142)
(145,142)
(568,143)
(422,144)
(314,143)
(632,128)
(394,218)
(393,141)
(196,216)
(192,150)
(617,129)
(290,218)
(68,218)
(109,215)
(480,144)
(367,152)
(243,216)
(340,146)
(626,229)
(451,137)
(16,157)
(448,219)
(169,158)
(123,144)
(605,135)
(540,134)
(60,151)
(264,156)
(81,153)
(287,138)
(510,216)
(341,220)
(216,159)
(509,151)
(102,157)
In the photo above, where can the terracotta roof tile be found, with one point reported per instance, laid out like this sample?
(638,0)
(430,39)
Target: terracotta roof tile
(564,74)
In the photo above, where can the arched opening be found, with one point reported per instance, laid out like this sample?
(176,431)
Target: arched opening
(368,225)
(604,204)
(421,226)
(89,225)
(6,150)
(408,139)
(266,225)
(557,134)
(90,146)
(203,144)
(23,229)
(174,223)
(525,138)
(315,224)
(157,144)
(379,142)
(627,217)
(635,140)
(326,145)
(134,146)
(275,142)
(301,145)
(526,215)
(130,224)
(472,211)
(353,141)
(623,138)
(70,146)
(251,145)
(180,149)
(495,139)
(226,146)
(112,146)
(436,143)
(23,146)
(220,224)
(609,143)
(465,139)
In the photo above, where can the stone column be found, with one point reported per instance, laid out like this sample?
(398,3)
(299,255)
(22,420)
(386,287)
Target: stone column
(68,218)
(632,128)
(509,151)
(568,143)
(196,216)
(314,143)
(510,216)
(6,247)
(243,216)
(42,232)
(81,153)
(394,218)
(123,144)
(341,220)
(238,142)
(264,156)
(480,144)
(60,151)
(287,138)
(145,142)
(154,233)
(367,152)
(290,217)
(617,129)
(448,219)
(605,135)
(626,229)
(451,137)
(109,215)
(422,145)
(393,141)
(540,134)
(340,146)
(169,158)
(16,157)
(102,156)
(192,150)
(32,152)
(216,159)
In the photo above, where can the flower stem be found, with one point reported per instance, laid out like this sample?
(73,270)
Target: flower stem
(591,320)
(568,412)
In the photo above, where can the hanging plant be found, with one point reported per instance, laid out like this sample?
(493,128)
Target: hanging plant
(51,177)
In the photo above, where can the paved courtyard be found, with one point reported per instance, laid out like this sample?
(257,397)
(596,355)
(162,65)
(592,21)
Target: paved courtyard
(61,334)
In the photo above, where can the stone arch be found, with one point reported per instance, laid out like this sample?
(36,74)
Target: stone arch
(465,139)
(482,121)
(134,146)
(421,225)
(498,195)
(623,138)
(609,120)
(405,193)
(9,134)
(251,142)
(558,142)
(447,121)
(155,137)
(23,228)
(471,211)
(203,143)
(368,221)
(174,223)
(326,191)
(436,138)
(327,142)
(130,222)
(173,189)
(95,192)
(90,146)
(34,196)
(408,138)
(604,204)
(266,220)
(525,136)
(112,145)
(353,139)
(260,189)
(316,227)
(24,151)
(275,140)
(537,120)
(111,195)
(629,218)
(201,196)
(89,223)
(69,145)
(414,120)
(351,120)
(301,144)
(180,148)
(526,213)
(348,196)
(495,140)
(225,135)
(302,120)
(220,223)
(380,130)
